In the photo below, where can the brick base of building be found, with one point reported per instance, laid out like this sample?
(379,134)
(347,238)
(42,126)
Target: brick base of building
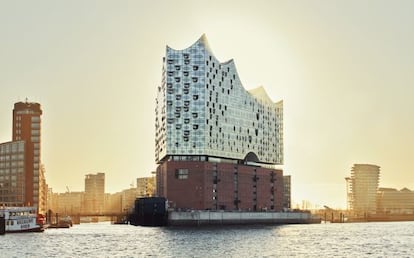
(202,185)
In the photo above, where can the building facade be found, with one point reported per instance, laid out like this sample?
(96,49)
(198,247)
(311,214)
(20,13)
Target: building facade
(27,127)
(202,109)
(362,188)
(23,175)
(68,203)
(43,190)
(214,139)
(12,173)
(146,186)
(114,202)
(393,201)
(94,193)
(220,186)
(287,185)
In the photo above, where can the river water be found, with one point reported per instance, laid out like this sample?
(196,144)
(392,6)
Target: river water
(390,239)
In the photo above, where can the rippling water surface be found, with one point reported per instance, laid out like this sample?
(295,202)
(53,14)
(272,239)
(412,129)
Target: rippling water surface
(392,239)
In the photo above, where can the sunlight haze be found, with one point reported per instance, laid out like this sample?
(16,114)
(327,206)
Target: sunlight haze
(344,70)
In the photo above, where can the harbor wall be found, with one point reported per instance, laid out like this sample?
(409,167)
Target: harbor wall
(200,218)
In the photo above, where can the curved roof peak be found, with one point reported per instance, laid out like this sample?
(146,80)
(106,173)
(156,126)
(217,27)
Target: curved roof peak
(204,41)
(228,62)
(261,94)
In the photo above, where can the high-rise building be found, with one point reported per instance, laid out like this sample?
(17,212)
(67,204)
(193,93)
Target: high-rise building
(363,188)
(27,127)
(27,183)
(12,173)
(94,193)
(216,143)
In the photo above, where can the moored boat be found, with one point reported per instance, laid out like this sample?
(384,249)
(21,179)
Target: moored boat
(21,219)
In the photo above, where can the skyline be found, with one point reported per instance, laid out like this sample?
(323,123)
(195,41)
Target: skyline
(343,70)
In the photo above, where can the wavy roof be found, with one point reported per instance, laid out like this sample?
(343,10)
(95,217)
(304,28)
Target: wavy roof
(259,92)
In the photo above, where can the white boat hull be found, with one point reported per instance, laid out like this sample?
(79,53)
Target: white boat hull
(20,219)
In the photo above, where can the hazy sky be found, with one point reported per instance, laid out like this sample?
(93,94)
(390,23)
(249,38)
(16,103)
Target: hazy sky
(345,70)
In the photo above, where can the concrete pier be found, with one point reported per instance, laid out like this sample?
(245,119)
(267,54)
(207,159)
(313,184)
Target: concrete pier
(201,218)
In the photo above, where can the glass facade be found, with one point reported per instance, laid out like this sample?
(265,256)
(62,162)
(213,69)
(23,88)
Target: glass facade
(202,108)
(363,187)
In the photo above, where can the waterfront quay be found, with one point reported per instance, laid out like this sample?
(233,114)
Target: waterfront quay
(206,218)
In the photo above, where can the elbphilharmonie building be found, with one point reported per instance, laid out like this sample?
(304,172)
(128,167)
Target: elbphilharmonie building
(205,117)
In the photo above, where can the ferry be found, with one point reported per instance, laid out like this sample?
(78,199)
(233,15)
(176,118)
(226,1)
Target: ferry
(21,219)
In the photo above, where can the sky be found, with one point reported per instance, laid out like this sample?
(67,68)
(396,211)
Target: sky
(344,69)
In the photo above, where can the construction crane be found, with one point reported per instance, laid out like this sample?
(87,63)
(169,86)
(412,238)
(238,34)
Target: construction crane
(328,208)
(67,188)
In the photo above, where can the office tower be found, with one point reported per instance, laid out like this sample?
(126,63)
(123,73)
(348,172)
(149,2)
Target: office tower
(363,188)
(216,143)
(94,193)
(27,134)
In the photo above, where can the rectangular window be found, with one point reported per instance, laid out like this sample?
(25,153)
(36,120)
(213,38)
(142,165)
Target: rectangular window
(181,173)
(35,119)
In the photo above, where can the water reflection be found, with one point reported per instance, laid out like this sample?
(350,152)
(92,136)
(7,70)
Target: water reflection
(105,240)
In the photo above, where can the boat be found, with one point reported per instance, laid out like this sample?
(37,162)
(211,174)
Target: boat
(66,222)
(21,219)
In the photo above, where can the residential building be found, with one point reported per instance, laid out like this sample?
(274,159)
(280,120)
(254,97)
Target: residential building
(69,203)
(27,127)
(113,202)
(217,145)
(128,197)
(146,186)
(362,189)
(12,174)
(94,193)
(393,201)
